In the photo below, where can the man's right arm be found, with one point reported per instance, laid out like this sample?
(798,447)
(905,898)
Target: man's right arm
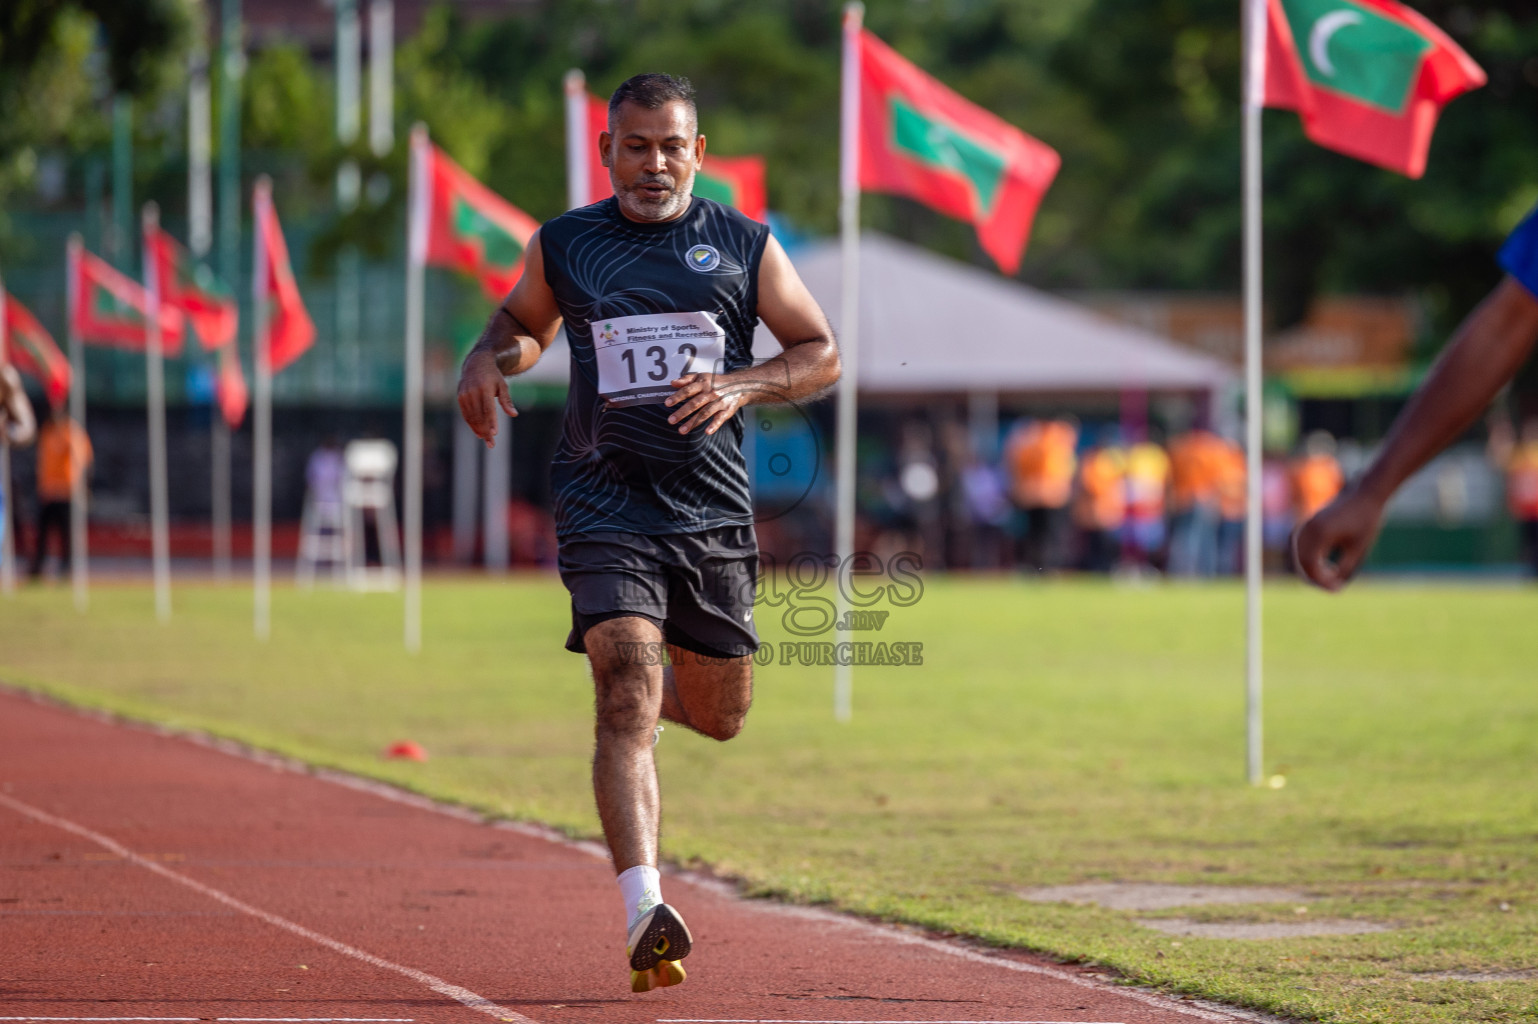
(515,337)
(1488,349)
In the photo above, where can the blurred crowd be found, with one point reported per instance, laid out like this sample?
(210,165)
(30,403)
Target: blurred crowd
(1065,496)
(1094,501)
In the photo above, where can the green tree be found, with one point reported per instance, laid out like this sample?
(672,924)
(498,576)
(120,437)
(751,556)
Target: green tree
(60,61)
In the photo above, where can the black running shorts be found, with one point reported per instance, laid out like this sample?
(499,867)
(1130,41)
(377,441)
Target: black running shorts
(696,587)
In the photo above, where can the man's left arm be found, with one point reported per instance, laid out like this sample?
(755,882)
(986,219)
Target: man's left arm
(806,369)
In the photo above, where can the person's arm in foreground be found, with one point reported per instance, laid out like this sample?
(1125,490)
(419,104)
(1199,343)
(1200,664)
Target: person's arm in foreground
(15,411)
(1487,350)
(515,337)
(806,369)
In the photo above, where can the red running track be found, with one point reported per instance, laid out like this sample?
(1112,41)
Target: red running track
(153,877)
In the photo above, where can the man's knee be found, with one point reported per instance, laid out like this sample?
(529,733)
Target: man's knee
(715,695)
(626,699)
(724,726)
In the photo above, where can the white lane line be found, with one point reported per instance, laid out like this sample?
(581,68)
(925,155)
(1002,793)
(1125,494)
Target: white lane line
(101,1018)
(438,985)
(772,1020)
(313,1020)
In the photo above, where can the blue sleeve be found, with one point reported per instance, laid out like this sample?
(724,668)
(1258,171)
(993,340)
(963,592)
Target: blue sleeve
(1519,256)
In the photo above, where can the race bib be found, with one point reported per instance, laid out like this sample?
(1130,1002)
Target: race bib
(638,356)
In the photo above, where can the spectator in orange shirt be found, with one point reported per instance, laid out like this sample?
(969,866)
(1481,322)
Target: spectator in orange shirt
(1041,460)
(63,458)
(1518,458)
(1100,504)
(1316,476)
(1233,475)
(1195,472)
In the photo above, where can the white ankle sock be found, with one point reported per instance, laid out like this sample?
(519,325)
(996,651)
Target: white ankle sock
(641,889)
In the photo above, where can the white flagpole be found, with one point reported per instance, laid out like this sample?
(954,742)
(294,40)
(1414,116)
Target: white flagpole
(261,422)
(155,399)
(79,536)
(381,77)
(849,342)
(578,145)
(1254,96)
(200,239)
(416,269)
(7,495)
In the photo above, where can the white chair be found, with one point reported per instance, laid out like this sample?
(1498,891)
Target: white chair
(370,486)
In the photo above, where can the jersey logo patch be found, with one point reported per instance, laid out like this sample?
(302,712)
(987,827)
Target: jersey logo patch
(702,258)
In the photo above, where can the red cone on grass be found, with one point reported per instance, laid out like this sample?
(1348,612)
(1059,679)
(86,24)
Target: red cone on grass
(406,750)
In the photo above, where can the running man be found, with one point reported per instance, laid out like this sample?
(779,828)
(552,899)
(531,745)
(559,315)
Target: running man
(1487,350)
(659,291)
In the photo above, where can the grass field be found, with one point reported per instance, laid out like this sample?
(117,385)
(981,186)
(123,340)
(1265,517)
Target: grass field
(1056,733)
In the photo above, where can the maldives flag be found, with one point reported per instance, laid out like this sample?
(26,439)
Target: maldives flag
(30,348)
(230,387)
(290,331)
(921,140)
(191,287)
(1367,77)
(469,227)
(111,309)
(598,186)
(736,181)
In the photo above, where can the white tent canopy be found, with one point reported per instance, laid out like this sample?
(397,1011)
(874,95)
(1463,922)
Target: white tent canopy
(931,324)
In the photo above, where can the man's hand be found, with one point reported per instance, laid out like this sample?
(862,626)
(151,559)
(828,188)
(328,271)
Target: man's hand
(706,400)
(1331,546)
(481,389)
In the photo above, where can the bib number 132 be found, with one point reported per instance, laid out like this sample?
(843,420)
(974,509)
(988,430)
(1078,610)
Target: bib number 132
(639,356)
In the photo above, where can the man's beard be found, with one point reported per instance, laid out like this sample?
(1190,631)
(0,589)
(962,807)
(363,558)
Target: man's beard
(642,206)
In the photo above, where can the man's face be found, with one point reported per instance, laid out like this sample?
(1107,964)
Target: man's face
(652,156)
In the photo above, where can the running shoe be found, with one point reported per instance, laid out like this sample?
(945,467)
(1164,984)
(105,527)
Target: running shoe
(657,942)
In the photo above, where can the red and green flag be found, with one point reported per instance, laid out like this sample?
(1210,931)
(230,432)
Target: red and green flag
(1368,78)
(737,181)
(230,387)
(919,139)
(31,349)
(290,331)
(188,285)
(469,227)
(598,186)
(111,309)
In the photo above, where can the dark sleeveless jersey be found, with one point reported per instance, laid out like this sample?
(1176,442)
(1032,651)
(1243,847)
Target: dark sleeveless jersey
(643,304)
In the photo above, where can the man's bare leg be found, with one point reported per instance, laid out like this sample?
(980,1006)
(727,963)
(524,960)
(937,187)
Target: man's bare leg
(709,695)
(628,700)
